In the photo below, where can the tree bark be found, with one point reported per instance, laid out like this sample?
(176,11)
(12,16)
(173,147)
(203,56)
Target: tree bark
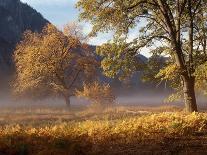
(189,79)
(67,101)
(189,94)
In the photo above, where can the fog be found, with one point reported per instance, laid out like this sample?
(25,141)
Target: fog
(150,99)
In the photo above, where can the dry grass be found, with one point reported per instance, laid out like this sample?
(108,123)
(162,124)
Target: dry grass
(117,130)
(39,114)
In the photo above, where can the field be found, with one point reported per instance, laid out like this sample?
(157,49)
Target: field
(117,130)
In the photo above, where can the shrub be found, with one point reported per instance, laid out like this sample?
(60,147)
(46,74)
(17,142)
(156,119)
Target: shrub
(98,94)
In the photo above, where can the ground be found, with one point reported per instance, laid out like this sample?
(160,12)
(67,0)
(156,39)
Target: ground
(45,130)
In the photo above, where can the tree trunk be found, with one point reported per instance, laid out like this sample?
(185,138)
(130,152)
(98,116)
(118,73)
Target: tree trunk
(189,94)
(67,101)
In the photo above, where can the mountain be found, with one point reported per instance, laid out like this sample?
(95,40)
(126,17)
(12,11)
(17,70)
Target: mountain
(15,18)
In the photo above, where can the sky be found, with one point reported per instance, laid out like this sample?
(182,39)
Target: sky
(61,12)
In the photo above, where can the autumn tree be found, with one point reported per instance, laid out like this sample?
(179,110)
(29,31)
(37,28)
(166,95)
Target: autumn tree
(176,28)
(98,93)
(52,63)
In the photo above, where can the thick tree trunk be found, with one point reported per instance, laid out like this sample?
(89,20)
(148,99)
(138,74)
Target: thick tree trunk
(189,94)
(67,101)
(176,44)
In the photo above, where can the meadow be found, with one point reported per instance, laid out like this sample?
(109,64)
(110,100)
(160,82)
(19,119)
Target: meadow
(116,130)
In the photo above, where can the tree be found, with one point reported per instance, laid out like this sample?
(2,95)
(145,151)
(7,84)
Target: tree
(52,63)
(176,27)
(99,94)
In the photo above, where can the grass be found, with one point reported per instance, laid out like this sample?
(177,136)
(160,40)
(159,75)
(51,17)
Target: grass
(119,130)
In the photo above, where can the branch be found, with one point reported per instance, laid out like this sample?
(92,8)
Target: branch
(139,3)
(75,78)
(149,39)
(155,20)
(61,80)
(167,20)
(183,7)
(196,8)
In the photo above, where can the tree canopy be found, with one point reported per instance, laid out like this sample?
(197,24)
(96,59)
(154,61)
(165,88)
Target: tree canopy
(176,28)
(52,63)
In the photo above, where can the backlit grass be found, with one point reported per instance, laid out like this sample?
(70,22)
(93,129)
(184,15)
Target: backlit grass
(95,136)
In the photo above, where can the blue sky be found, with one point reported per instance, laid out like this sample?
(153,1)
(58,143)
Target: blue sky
(60,12)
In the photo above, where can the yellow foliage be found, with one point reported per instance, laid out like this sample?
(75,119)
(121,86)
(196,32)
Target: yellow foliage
(170,72)
(51,62)
(201,77)
(100,94)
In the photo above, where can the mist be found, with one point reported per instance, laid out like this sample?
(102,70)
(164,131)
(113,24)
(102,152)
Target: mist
(146,98)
